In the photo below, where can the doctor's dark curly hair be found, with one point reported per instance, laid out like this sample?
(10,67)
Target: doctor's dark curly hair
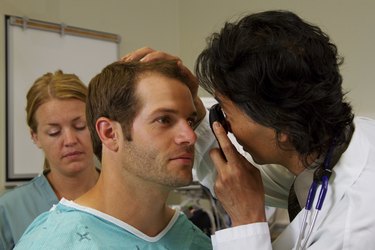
(283,73)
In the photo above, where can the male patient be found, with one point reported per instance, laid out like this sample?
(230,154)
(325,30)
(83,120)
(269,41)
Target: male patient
(140,116)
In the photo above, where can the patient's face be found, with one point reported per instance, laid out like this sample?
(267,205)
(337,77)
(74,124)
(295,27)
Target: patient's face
(63,135)
(162,149)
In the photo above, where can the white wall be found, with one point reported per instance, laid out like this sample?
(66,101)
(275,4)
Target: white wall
(181,27)
(350,25)
(138,22)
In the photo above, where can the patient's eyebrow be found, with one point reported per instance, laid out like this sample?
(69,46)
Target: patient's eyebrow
(172,111)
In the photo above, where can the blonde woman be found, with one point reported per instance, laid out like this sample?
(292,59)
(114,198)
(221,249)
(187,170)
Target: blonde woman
(56,118)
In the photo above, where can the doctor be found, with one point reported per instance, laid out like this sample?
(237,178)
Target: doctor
(277,80)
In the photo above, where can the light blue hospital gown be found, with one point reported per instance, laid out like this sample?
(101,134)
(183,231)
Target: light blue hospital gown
(71,226)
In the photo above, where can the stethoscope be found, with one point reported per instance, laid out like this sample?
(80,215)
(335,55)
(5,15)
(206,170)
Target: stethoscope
(321,175)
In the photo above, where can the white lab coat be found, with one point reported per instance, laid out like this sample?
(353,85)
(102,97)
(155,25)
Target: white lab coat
(346,220)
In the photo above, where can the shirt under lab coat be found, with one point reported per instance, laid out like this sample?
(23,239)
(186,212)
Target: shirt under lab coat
(346,220)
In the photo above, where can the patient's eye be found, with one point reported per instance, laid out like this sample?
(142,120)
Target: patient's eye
(164,120)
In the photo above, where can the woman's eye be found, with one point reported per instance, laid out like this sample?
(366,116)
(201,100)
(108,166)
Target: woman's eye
(53,133)
(80,126)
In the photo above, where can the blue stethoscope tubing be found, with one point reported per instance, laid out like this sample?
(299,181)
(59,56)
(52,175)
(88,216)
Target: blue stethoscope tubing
(324,178)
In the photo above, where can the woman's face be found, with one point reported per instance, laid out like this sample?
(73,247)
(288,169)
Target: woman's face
(63,136)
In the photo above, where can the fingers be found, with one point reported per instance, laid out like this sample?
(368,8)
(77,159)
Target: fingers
(146,54)
(231,156)
(226,145)
(193,81)
(137,55)
(159,55)
(238,184)
(218,160)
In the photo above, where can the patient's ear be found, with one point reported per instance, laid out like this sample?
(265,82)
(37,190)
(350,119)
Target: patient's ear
(107,132)
(34,137)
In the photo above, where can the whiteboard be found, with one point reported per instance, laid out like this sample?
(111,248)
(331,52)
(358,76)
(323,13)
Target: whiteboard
(30,53)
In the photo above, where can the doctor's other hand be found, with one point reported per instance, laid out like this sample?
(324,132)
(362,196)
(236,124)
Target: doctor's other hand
(147,54)
(238,185)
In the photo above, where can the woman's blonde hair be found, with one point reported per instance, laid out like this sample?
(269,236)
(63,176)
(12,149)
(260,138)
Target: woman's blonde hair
(52,86)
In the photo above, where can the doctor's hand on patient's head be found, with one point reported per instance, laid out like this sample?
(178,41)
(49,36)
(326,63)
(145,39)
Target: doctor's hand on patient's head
(146,54)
